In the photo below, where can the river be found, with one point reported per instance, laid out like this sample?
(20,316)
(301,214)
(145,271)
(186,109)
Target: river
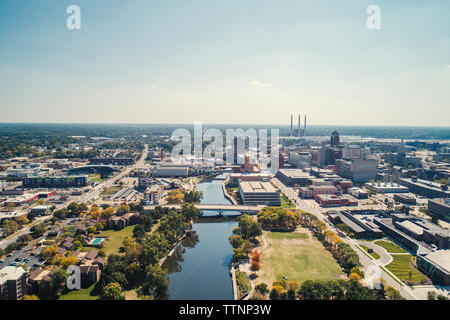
(199,266)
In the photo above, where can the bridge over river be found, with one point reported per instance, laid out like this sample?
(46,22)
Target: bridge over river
(213,207)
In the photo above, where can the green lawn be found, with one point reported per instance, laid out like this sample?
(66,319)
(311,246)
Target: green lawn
(288,235)
(298,257)
(82,294)
(401,266)
(243,283)
(373,253)
(285,202)
(115,239)
(390,246)
(95,178)
(110,190)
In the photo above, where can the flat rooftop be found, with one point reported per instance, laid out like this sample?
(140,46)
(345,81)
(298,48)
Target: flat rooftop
(294,173)
(10,273)
(411,227)
(440,258)
(257,187)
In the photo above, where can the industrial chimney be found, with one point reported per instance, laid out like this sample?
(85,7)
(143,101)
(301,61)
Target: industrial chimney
(292,120)
(304,127)
(298,129)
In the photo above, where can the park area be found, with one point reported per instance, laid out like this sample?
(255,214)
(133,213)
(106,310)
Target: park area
(402,266)
(297,256)
(115,239)
(390,246)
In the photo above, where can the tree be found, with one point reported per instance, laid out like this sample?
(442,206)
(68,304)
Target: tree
(24,238)
(262,288)
(155,283)
(22,220)
(393,294)
(48,253)
(175,196)
(248,227)
(254,265)
(139,231)
(68,261)
(123,209)
(61,213)
(107,213)
(112,291)
(274,294)
(10,226)
(58,278)
(37,230)
(236,241)
(77,245)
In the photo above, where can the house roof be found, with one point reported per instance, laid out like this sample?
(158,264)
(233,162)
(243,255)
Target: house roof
(91,255)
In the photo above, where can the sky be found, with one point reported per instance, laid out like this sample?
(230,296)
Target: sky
(230,62)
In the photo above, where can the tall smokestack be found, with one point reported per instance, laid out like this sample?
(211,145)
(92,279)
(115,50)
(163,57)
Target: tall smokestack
(292,121)
(298,130)
(304,127)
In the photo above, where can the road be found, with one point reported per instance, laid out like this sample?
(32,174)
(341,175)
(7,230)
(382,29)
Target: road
(367,262)
(90,195)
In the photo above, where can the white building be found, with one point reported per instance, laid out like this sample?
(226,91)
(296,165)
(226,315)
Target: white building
(259,193)
(300,160)
(357,193)
(153,194)
(387,187)
(355,152)
(12,281)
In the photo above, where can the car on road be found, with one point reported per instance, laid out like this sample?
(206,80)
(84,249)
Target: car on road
(2,261)
(18,259)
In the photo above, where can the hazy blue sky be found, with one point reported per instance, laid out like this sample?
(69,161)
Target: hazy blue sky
(233,61)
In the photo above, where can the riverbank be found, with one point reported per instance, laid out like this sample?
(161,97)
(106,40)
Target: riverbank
(226,194)
(169,254)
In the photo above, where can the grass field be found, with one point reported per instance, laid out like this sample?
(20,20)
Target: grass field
(296,256)
(110,191)
(82,294)
(115,239)
(243,283)
(285,202)
(373,253)
(390,246)
(402,267)
(95,178)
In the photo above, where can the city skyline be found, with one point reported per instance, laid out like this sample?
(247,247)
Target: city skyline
(230,63)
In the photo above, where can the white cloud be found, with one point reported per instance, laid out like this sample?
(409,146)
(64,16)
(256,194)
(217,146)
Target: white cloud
(259,84)
(154,85)
(448,67)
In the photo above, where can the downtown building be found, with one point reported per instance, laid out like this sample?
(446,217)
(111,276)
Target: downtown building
(259,193)
(357,170)
(425,188)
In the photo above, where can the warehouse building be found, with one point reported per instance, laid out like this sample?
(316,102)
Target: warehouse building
(235,178)
(361,229)
(386,187)
(292,177)
(425,188)
(55,182)
(440,207)
(436,266)
(311,191)
(171,171)
(405,199)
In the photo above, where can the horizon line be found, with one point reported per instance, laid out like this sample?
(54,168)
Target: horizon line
(221,124)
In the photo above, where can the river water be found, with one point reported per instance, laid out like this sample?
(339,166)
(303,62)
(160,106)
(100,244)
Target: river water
(199,267)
